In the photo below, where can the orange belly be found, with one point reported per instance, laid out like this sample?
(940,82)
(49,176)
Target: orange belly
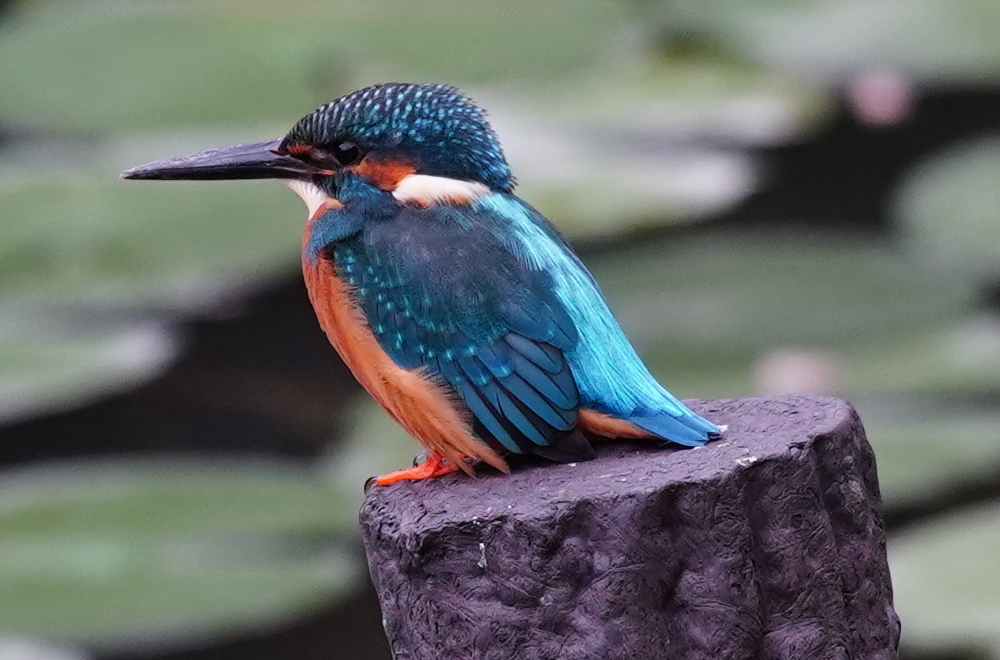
(426,409)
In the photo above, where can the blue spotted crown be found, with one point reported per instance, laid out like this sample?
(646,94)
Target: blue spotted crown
(445,130)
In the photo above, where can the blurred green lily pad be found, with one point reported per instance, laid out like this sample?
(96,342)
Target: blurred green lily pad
(704,311)
(931,447)
(945,579)
(960,358)
(934,40)
(949,208)
(88,239)
(737,292)
(655,190)
(63,361)
(143,552)
(112,66)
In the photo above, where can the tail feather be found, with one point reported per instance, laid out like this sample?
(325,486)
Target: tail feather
(690,429)
(686,428)
(570,448)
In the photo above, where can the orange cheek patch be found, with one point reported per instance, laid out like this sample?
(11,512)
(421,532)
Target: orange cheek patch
(385,174)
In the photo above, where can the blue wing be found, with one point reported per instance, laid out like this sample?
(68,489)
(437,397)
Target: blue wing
(444,290)
(490,299)
(609,374)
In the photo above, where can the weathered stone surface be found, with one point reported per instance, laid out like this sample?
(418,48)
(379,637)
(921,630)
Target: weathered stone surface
(766,544)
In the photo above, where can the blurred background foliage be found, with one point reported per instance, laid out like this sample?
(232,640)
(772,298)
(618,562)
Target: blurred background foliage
(776,197)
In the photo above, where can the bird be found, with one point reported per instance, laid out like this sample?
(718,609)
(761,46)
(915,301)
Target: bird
(460,308)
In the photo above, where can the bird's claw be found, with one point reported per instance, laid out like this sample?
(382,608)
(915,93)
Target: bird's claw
(421,458)
(434,466)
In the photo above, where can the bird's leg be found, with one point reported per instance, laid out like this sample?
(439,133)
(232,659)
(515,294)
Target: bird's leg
(434,466)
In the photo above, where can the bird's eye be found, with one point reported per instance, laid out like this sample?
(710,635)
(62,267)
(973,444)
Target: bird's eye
(347,153)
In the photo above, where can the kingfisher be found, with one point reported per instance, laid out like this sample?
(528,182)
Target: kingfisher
(460,308)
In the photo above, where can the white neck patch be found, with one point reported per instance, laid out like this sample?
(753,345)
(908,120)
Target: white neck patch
(314,196)
(426,190)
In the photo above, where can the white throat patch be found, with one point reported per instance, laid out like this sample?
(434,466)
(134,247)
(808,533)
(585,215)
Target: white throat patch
(311,194)
(425,190)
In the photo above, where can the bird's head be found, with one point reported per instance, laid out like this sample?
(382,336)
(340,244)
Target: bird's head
(404,139)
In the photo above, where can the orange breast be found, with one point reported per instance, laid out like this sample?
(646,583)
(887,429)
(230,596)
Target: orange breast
(426,409)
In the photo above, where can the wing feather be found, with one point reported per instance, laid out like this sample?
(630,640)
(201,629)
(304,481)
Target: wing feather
(444,292)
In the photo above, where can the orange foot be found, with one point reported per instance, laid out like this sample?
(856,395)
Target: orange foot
(434,466)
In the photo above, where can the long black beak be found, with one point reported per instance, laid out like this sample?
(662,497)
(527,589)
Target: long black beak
(260,160)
